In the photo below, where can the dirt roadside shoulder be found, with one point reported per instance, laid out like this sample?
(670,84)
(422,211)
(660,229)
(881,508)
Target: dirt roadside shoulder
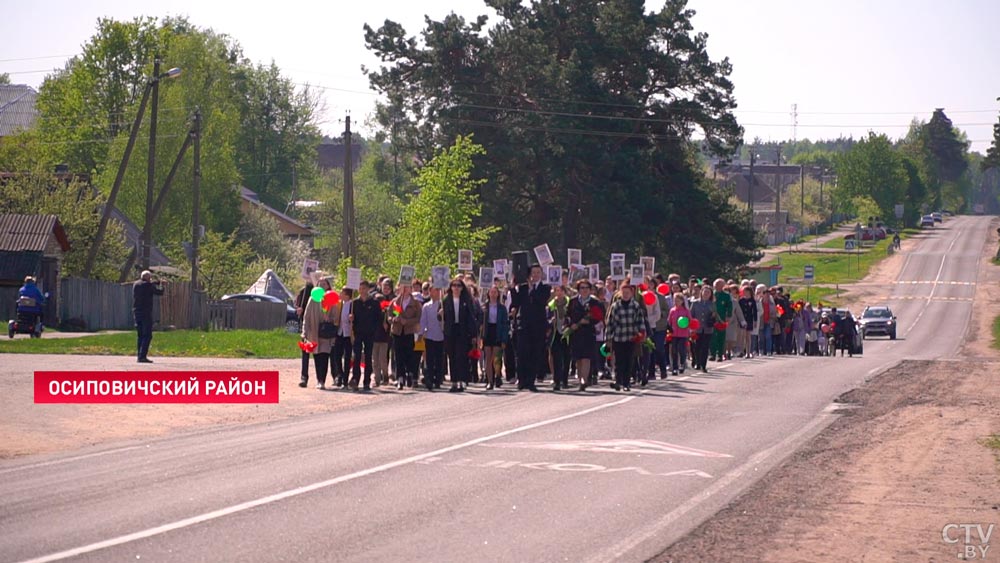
(27,428)
(882,483)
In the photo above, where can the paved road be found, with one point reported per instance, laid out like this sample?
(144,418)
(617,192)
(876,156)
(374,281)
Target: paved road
(499,476)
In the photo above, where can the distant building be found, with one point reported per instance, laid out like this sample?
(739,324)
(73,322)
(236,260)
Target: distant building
(291,228)
(17,108)
(330,154)
(31,245)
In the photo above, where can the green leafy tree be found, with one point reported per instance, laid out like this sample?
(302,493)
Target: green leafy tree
(222,264)
(872,169)
(4,78)
(992,159)
(91,100)
(586,111)
(439,221)
(78,208)
(87,108)
(944,153)
(278,134)
(916,193)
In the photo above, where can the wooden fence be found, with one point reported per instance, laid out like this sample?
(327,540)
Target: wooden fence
(95,305)
(98,305)
(235,315)
(8,303)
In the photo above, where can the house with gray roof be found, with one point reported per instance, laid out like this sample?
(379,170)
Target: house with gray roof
(17,108)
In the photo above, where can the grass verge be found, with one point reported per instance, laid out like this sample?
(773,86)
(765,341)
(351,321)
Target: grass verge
(828,295)
(831,268)
(992,442)
(996,333)
(276,343)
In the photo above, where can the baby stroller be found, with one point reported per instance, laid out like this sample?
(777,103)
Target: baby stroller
(28,319)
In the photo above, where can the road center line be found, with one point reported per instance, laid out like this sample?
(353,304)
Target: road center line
(215,514)
(935,285)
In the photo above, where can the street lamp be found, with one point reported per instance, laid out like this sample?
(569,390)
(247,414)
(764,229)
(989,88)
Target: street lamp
(154,83)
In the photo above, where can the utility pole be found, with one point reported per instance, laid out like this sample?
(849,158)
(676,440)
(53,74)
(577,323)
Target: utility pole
(753,159)
(777,187)
(347,243)
(802,192)
(151,166)
(195,316)
(109,205)
(822,177)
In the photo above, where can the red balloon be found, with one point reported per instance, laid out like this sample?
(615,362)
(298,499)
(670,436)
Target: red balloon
(331,299)
(695,324)
(643,287)
(648,298)
(663,289)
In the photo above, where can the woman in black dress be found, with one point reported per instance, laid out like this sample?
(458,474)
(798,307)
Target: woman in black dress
(583,312)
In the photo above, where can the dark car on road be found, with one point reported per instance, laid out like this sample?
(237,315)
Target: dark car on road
(878,320)
(290,315)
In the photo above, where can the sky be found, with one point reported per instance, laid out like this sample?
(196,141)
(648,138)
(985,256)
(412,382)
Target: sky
(849,66)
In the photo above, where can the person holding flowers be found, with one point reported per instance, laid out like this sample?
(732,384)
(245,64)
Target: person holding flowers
(559,338)
(319,328)
(583,314)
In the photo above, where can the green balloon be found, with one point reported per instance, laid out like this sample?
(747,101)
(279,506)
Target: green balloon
(317,294)
(604,350)
(683,322)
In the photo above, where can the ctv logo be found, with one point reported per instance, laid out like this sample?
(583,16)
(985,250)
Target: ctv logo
(976,539)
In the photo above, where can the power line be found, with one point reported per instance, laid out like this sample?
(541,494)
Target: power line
(599,133)
(37,58)
(682,122)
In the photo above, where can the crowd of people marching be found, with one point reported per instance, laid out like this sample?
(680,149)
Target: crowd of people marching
(627,332)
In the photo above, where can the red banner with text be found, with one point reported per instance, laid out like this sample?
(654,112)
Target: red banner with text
(156,387)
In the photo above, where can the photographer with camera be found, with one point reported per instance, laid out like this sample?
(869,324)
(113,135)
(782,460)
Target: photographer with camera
(142,308)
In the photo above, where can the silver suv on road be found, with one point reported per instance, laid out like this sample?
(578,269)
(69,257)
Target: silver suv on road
(878,320)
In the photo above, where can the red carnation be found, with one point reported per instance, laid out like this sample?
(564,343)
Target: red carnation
(596,314)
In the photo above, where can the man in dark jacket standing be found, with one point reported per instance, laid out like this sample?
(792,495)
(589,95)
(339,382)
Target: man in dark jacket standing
(142,309)
(530,300)
(366,315)
(301,300)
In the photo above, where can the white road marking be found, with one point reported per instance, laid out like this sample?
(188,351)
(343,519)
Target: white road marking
(620,446)
(618,551)
(215,514)
(935,286)
(68,459)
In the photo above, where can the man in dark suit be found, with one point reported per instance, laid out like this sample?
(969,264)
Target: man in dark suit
(142,309)
(530,300)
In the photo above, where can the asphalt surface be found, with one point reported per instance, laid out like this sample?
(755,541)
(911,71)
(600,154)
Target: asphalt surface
(480,476)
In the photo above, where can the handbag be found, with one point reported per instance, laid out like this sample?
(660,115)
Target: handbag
(327,329)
